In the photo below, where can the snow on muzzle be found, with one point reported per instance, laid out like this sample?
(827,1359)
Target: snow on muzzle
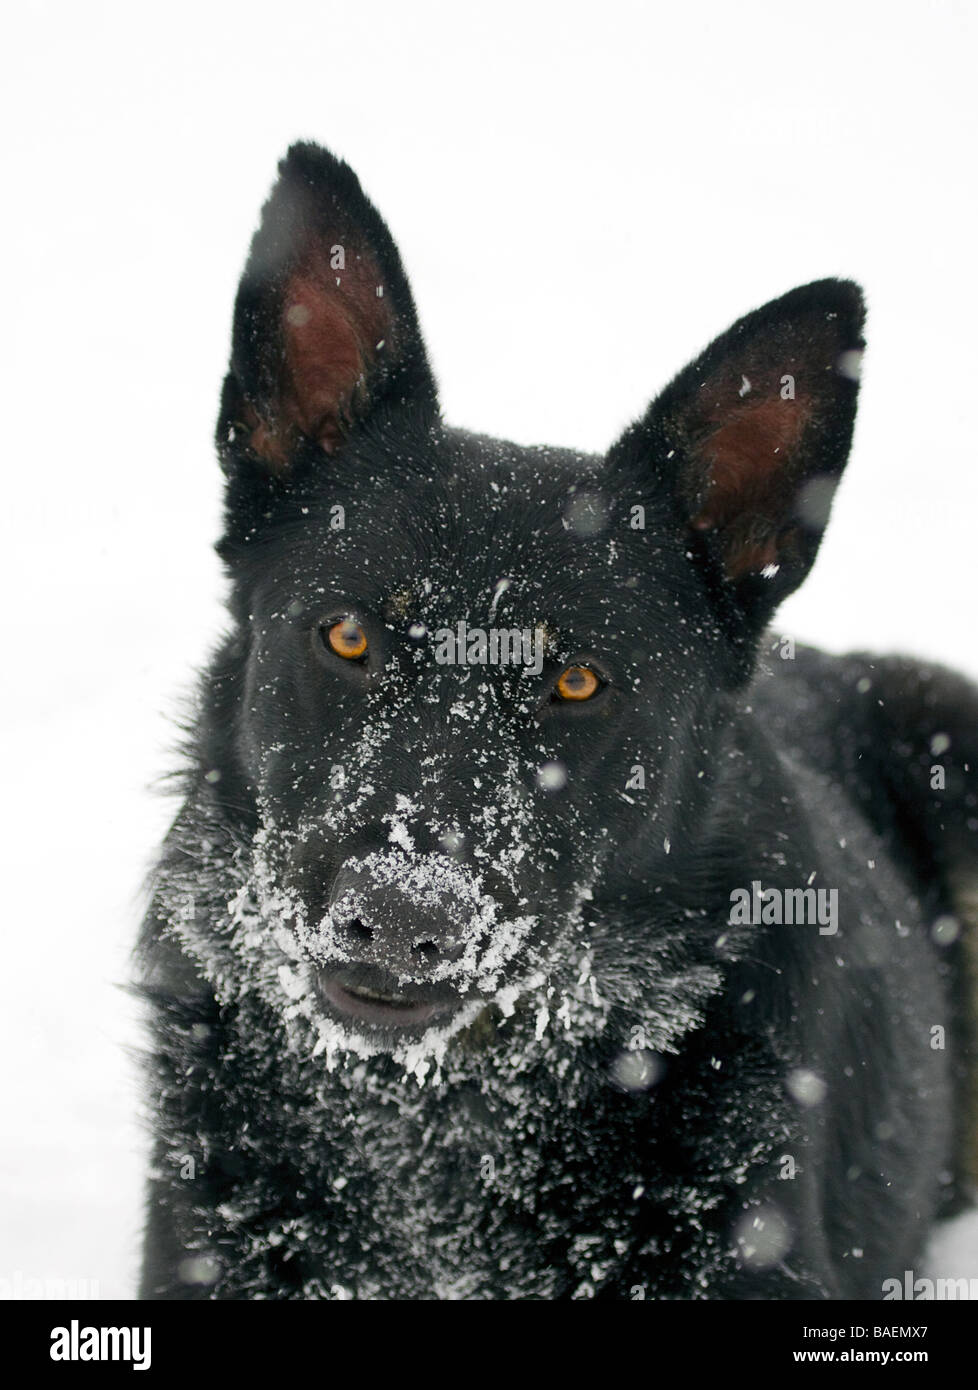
(421,921)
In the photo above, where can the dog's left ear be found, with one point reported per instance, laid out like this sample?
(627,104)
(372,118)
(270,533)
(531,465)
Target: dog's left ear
(750,441)
(325,332)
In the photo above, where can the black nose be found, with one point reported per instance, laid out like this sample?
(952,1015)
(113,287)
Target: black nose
(382,926)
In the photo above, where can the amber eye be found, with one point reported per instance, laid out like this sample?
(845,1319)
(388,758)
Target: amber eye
(347,638)
(577,683)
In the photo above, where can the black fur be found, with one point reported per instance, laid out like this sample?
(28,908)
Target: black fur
(645,1100)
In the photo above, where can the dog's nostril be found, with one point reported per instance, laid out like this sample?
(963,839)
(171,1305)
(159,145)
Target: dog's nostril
(359,930)
(427,948)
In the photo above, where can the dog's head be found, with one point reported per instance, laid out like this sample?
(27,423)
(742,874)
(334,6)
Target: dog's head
(478,681)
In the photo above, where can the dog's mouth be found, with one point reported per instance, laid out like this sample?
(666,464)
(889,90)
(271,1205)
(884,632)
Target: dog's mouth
(370,996)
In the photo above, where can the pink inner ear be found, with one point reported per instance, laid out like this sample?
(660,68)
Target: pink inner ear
(334,326)
(325,357)
(747,467)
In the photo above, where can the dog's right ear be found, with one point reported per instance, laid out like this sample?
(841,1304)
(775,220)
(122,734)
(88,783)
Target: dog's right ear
(748,444)
(325,329)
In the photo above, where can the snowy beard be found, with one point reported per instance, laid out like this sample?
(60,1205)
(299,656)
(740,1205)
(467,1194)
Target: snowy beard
(500,962)
(638,993)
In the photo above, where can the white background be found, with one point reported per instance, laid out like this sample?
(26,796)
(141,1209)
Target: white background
(584,195)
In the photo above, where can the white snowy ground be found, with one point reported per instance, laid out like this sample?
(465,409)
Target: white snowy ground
(584,197)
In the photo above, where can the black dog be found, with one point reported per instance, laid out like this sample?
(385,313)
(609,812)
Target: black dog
(522,935)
